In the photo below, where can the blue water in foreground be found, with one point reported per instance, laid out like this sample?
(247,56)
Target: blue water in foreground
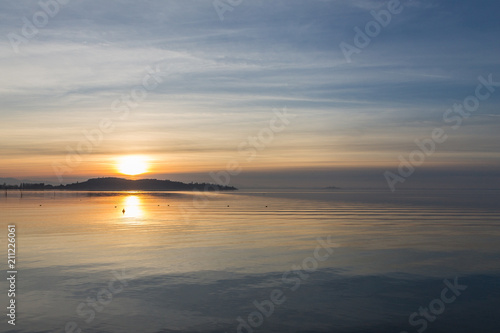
(254,261)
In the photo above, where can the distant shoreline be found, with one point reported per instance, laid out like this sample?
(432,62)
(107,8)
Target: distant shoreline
(121,184)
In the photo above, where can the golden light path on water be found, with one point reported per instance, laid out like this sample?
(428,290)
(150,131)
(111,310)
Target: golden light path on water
(132,208)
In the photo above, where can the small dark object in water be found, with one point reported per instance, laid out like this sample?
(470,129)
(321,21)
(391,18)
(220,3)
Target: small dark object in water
(123,211)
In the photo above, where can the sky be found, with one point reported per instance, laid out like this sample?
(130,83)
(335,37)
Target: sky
(252,93)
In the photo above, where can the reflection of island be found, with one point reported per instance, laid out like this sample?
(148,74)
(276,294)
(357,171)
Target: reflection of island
(120,184)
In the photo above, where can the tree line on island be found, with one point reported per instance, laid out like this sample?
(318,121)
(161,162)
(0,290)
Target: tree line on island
(120,184)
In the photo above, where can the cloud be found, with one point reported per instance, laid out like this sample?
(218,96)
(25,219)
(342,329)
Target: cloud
(224,78)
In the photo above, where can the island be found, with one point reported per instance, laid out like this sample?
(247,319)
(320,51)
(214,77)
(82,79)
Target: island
(331,188)
(121,184)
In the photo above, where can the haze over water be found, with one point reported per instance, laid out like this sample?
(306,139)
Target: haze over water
(194,262)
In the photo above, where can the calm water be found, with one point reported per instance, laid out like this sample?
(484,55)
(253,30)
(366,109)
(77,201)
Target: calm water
(187,262)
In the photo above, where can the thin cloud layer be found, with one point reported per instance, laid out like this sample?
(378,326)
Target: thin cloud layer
(221,80)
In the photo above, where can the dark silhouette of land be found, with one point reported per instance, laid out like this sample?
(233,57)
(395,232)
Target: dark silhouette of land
(120,184)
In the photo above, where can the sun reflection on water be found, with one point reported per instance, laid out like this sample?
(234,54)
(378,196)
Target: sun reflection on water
(132,207)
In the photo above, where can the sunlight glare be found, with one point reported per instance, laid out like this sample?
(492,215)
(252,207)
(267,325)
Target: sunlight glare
(132,206)
(133,165)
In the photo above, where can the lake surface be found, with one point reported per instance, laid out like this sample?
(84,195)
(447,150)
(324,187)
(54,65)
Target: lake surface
(255,261)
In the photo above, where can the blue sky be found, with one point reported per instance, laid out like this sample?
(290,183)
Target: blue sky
(221,81)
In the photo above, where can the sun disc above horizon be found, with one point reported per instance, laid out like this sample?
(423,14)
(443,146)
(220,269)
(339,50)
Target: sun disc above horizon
(132,165)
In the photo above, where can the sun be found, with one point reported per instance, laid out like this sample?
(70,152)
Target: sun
(132,165)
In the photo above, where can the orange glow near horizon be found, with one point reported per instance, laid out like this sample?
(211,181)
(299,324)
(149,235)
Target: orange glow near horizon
(133,165)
